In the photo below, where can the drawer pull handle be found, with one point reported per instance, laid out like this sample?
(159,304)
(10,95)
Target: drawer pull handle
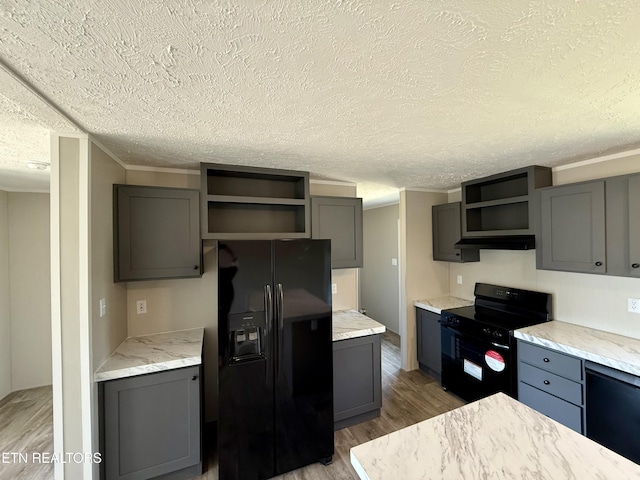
(546,382)
(598,264)
(545,360)
(635,265)
(195,377)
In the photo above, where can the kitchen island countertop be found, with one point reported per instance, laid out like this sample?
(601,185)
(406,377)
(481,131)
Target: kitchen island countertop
(437,304)
(153,353)
(609,349)
(352,324)
(496,437)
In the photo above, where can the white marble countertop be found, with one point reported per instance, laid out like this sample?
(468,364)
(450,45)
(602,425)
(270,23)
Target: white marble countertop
(436,305)
(352,324)
(497,438)
(153,353)
(615,351)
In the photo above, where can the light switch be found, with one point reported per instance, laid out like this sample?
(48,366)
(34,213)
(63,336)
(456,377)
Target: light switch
(334,288)
(103,307)
(459,279)
(394,262)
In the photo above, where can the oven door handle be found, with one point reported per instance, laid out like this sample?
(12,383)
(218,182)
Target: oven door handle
(499,345)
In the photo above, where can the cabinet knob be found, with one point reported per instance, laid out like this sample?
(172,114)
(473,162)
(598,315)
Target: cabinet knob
(546,382)
(458,254)
(195,377)
(195,267)
(545,360)
(598,264)
(635,265)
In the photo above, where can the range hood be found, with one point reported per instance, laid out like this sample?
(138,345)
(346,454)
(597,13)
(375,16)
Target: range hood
(507,242)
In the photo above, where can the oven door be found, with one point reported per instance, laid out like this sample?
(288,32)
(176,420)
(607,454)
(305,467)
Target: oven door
(474,368)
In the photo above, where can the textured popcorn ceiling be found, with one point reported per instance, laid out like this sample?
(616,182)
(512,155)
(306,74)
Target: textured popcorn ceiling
(402,94)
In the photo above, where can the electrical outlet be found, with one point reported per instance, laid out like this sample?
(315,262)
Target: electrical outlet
(459,279)
(334,288)
(394,262)
(141,306)
(634,305)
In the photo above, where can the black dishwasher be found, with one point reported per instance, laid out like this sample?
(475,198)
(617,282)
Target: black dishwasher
(613,410)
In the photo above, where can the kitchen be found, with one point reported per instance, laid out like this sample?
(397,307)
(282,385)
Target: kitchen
(182,304)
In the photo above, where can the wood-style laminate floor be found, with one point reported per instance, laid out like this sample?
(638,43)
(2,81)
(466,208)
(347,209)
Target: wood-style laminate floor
(26,427)
(407,398)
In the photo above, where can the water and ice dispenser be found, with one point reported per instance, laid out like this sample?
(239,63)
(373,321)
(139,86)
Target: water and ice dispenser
(246,337)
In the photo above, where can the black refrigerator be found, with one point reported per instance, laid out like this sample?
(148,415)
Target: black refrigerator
(275,378)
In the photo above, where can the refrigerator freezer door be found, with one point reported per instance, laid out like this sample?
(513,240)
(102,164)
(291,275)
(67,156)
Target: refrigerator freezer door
(304,376)
(245,367)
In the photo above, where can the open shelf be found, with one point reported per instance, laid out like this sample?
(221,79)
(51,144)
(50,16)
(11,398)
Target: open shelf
(251,202)
(502,204)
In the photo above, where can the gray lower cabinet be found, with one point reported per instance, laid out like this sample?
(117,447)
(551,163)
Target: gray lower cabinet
(339,219)
(573,228)
(429,347)
(447,230)
(357,380)
(552,383)
(151,425)
(156,233)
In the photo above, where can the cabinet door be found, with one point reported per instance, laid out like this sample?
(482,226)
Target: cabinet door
(429,346)
(446,232)
(156,233)
(339,219)
(152,424)
(357,381)
(573,228)
(634,225)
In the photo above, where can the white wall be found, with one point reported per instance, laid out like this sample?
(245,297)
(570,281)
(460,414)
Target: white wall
(595,301)
(30,291)
(111,330)
(379,279)
(421,277)
(5,318)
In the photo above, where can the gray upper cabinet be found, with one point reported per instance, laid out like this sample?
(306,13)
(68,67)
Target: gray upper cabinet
(572,229)
(501,204)
(340,220)
(447,230)
(156,233)
(253,203)
(633,215)
(591,227)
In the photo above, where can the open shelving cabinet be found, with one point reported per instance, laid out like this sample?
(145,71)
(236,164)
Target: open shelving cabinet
(253,203)
(502,204)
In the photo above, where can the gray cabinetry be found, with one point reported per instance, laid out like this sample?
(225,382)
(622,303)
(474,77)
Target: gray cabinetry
(156,233)
(340,220)
(429,347)
(253,203)
(501,204)
(151,425)
(447,230)
(633,215)
(552,383)
(357,380)
(572,229)
(591,227)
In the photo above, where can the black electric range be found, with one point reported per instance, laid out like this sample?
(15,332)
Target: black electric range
(479,351)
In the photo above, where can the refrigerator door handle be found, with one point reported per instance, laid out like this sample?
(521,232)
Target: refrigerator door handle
(280,324)
(268,306)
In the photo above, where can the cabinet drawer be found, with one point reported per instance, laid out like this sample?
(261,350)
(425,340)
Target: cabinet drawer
(555,362)
(551,383)
(563,412)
